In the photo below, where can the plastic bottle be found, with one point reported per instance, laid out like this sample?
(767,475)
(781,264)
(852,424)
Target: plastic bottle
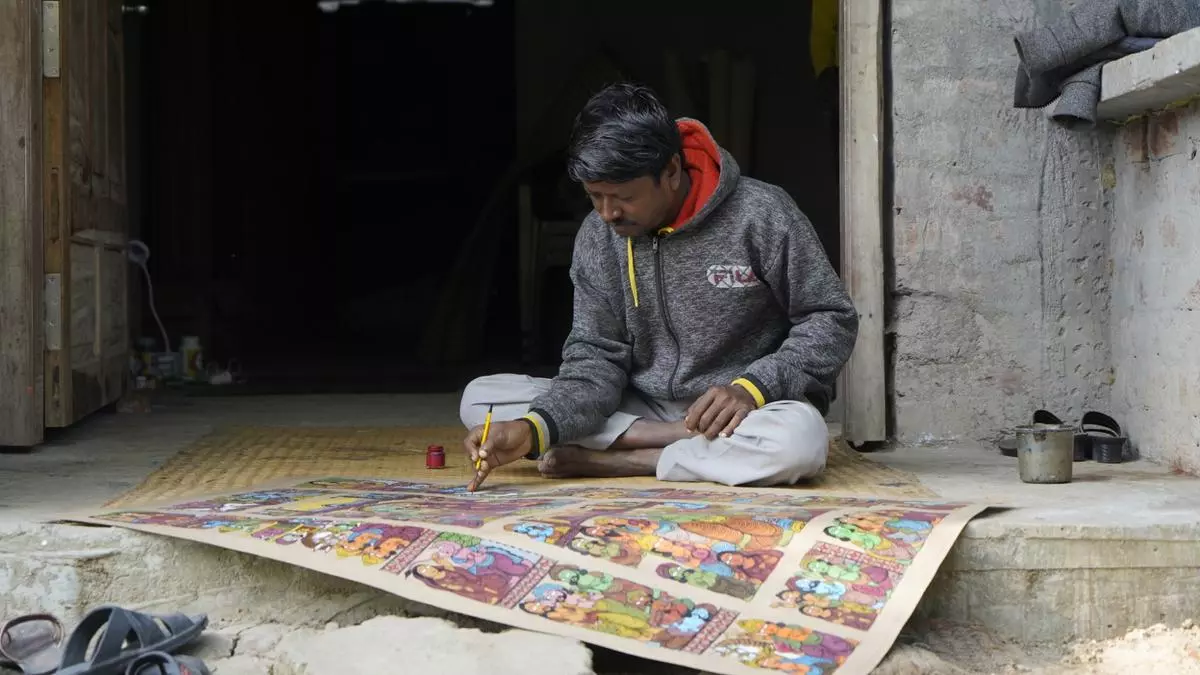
(193,358)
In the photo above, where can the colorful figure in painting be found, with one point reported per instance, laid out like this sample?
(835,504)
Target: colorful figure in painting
(583,580)
(694,554)
(751,566)
(445,510)
(152,518)
(190,522)
(791,649)
(620,551)
(471,567)
(707,580)
(131,517)
(618,607)
(729,571)
(231,525)
(375,543)
(871,542)
(245,500)
(272,530)
(841,586)
(893,534)
(324,539)
(390,545)
(746,533)
(327,503)
(543,532)
(559,528)
(303,530)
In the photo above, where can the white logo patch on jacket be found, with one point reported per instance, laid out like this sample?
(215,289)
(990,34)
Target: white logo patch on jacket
(732,276)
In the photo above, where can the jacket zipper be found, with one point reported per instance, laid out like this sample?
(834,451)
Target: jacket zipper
(662,303)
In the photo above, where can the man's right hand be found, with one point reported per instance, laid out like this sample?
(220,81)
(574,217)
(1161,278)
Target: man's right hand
(506,443)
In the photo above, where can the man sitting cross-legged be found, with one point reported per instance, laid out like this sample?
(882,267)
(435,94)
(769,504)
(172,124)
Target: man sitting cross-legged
(708,329)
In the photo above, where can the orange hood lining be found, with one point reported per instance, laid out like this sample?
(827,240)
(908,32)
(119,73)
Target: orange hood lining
(702,161)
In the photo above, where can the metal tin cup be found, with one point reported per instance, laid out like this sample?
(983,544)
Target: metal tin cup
(1045,453)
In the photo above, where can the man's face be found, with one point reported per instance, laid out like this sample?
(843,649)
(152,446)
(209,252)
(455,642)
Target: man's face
(640,206)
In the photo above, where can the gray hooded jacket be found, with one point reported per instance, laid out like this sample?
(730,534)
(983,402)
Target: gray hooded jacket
(742,291)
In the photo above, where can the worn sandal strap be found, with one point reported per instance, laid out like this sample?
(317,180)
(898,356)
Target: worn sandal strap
(175,622)
(1045,417)
(106,619)
(1098,422)
(149,631)
(122,630)
(56,629)
(166,664)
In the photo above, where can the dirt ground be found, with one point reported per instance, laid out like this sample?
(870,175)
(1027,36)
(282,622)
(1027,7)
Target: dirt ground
(425,645)
(282,650)
(1158,650)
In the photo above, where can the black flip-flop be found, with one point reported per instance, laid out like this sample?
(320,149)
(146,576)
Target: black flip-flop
(32,644)
(1008,446)
(1100,438)
(162,663)
(124,636)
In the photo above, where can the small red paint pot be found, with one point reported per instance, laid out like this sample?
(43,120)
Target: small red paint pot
(435,457)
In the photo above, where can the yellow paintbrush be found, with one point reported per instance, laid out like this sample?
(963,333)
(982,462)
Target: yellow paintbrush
(487,425)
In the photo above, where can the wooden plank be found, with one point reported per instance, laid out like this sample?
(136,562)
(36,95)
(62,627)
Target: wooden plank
(98,105)
(21,382)
(57,204)
(864,383)
(77,110)
(115,152)
(85,365)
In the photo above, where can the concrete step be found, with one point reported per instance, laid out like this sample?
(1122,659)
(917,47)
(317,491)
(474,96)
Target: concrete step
(1029,584)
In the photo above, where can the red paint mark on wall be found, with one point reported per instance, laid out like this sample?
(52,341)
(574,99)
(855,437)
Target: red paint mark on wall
(979,196)
(1162,133)
(1134,137)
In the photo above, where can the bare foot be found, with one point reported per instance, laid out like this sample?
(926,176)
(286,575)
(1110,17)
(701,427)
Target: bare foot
(647,434)
(574,462)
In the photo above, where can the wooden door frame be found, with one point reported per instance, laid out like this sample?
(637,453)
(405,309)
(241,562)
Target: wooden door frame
(22,421)
(863,384)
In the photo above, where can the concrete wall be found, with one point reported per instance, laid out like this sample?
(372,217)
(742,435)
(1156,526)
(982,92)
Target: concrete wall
(1000,295)
(1155,196)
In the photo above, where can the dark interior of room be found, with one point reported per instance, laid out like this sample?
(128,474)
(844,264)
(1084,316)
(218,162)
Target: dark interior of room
(331,198)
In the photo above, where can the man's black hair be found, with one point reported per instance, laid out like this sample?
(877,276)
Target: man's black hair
(622,133)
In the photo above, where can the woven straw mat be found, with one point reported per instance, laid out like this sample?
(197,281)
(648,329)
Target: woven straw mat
(237,458)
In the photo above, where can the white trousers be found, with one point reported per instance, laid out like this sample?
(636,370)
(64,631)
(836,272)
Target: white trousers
(778,444)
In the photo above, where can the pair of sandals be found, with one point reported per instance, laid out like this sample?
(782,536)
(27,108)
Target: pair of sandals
(108,641)
(1098,437)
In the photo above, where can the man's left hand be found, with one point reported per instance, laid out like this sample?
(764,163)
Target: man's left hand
(719,411)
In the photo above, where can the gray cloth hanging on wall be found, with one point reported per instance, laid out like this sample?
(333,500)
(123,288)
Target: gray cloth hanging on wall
(1064,59)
